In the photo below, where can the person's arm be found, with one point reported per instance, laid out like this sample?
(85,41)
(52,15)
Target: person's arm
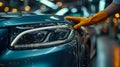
(98,17)
(112,9)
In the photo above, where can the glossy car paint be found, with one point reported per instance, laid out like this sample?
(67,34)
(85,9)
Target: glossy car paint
(68,54)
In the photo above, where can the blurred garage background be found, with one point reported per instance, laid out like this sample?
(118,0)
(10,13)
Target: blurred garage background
(108,32)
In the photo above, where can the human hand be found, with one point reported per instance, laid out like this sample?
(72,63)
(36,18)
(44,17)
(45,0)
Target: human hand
(79,21)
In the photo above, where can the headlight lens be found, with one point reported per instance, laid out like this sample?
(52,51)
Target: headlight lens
(42,37)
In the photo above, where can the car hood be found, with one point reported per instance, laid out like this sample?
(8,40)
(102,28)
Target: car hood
(31,20)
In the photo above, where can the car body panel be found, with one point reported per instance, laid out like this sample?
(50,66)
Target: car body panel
(67,54)
(30,20)
(52,56)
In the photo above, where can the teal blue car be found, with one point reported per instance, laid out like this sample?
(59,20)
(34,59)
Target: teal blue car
(40,41)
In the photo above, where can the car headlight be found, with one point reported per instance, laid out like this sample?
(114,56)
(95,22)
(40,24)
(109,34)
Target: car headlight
(42,37)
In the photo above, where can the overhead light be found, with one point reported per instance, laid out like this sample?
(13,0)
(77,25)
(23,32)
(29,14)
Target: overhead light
(74,10)
(49,4)
(27,8)
(102,5)
(6,9)
(59,4)
(62,11)
(1,4)
(14,10)
(117,15)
